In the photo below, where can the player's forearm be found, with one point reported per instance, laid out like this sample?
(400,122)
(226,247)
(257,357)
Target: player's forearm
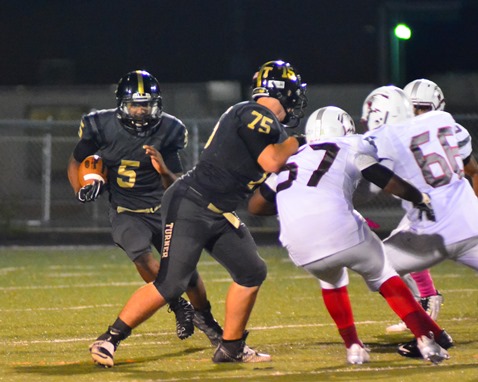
(385,178)
(168,178)
(474,181)
(471,170)
(274,156)
(73,167)
(259,205)
(404,190)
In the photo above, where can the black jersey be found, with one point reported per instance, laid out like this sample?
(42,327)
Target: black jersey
(133,181)
(227,170)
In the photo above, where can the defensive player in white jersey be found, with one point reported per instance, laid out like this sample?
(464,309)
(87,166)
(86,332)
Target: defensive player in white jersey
(424,150)
(325,235)
(427,96)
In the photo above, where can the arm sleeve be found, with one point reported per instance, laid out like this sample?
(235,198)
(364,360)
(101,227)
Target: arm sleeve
(387,180)
(377,174)
(176,139)
(267,193)
(84,148)
(268,188)
(173,161)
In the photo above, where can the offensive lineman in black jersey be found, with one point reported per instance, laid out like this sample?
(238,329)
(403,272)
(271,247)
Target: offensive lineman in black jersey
(247,143)
(136,141)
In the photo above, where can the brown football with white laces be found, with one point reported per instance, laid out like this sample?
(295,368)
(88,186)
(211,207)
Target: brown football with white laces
(92,168)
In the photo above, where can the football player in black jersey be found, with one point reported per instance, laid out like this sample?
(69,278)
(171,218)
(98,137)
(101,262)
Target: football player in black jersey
(136,141)
(248,142)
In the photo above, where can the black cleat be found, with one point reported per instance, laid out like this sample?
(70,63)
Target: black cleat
(410,349)
(184,313)
(205,322)
(238,351)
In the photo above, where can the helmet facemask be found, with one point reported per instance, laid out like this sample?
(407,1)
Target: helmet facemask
(140,116)
(294,105)
(139,103)
(425,95)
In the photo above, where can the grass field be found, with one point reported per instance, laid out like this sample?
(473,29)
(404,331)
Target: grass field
(55,301)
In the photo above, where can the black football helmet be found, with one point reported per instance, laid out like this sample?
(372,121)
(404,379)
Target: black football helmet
(139,88)
(278,79)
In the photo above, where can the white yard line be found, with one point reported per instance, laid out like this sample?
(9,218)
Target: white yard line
(166,333)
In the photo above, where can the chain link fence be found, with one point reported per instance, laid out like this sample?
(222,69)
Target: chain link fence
(35,195)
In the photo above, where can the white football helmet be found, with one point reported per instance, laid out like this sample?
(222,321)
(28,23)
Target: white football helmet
(328,121)
(425,94)
(386,105)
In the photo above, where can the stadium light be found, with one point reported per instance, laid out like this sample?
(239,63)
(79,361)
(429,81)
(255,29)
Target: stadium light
(399,34)
(402,31)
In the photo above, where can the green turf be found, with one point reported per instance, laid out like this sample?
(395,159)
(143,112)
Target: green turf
(54,302)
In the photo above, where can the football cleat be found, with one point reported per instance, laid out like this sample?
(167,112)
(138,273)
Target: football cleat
(432,305)
(430,350)
(397,328)
(184,313)
(357,355)
(251,356)
(411,350)
(103,349)
(247,355)
(102,353)
(244,353)
(204,321)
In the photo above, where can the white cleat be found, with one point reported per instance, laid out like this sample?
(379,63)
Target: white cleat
(102,353)
(397,328)
(252,356)
(432,305)
(357,355)
(430,350)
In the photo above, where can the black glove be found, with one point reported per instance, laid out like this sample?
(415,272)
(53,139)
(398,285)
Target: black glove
(90,192)
(425,207)
(301,139)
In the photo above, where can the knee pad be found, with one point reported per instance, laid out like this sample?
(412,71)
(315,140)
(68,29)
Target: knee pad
(255,277)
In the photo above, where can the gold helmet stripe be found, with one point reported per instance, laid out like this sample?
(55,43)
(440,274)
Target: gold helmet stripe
(140,82)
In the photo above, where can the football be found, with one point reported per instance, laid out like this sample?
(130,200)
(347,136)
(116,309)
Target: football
(92,168)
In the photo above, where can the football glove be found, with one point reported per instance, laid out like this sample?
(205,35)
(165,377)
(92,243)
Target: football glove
(425,207)
(90,192)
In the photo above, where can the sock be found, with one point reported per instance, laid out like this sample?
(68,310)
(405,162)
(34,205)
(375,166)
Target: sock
(338,305)
(116,332)
(424,283)
(121,327)
(233,346)
(401,300)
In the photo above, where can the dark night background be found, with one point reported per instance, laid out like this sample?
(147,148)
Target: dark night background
(97,41)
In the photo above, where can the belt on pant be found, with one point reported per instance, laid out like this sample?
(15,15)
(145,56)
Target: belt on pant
(231,217)
(151,210)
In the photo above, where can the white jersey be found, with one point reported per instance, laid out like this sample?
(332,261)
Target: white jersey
(314,198)
(464,141)
(424,151)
